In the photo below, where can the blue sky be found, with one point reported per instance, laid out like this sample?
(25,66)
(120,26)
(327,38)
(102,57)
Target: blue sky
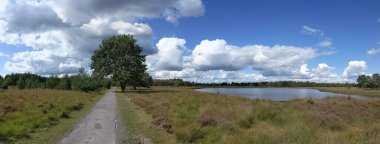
(323,41)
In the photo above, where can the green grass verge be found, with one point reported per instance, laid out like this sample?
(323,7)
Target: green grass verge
(41,115)
(138,124)
(195,117)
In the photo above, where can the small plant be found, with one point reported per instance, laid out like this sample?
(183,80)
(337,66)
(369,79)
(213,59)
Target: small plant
(246,122)
(65,114)
(310,101)
(207,121)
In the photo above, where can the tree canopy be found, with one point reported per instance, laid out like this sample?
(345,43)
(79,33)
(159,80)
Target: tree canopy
(365,81)
(121,58)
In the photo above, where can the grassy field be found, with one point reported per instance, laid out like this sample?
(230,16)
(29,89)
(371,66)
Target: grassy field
(351,91)
(181,115)
(41,115)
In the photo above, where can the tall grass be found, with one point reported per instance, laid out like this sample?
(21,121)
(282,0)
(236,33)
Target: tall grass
(195,117)
(24,111)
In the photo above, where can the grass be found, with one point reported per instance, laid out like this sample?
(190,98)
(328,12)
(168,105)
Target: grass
(351,91)
(41,115)
(138,124)
(187,116)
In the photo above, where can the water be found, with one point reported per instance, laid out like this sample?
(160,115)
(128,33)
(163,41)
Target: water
(274,94)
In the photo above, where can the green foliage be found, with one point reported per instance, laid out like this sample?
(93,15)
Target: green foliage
(21,83)
(65,83)
(81,81)
(180,82)
(52,82)
(368,81)
(120,57)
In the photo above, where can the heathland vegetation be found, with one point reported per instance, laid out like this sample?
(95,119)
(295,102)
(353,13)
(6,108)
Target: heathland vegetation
(182,115)
(23,113)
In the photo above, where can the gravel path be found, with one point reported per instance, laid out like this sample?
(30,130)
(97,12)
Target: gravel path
(100,126)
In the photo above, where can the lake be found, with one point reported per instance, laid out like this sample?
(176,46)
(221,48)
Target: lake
(274,94)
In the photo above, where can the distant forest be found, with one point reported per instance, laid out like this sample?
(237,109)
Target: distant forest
(363,81)
(84,82)
(81,81)
(180,82)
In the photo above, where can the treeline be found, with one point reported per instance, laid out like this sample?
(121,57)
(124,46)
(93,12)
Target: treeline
(365,81)
(180,82)
(81,81)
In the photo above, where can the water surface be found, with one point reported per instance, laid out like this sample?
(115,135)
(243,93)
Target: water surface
(274,94)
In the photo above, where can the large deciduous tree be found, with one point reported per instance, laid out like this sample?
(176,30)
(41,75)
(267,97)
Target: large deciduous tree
(121,58)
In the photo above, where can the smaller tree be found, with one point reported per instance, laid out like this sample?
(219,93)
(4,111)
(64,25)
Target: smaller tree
(376,80)
(362,81)
(21,84)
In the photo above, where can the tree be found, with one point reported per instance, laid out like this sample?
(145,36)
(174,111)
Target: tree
(376,80)
(362,81)
(120,57)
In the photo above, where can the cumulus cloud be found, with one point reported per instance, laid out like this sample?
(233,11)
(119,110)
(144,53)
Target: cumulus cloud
(170,54)
(354,69)
(373,51)
(62,34)
(214,76)
(184,8)
(325,43)
(216,61)
(311,31)
(80,12)
(276,60)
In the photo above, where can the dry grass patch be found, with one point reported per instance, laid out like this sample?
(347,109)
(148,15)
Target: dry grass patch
(197,117)
(23,112)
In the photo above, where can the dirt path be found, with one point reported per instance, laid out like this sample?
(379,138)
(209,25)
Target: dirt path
(100,126)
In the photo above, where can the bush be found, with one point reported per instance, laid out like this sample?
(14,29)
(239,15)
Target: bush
(21,84)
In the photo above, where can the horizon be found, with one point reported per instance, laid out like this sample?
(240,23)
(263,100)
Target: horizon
(198,40)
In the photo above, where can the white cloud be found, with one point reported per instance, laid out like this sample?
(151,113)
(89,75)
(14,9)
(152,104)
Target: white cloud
(373,51)
(312,31)
(216,61)
(62,34)
(81,12)
(184,8)
(170,54)
(354,69)
(3,6)
(276,60)
(325,43)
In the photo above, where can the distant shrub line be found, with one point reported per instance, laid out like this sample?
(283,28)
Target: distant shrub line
(180,82)
(79,82)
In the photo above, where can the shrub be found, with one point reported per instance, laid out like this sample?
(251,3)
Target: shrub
(246,122)
(207,121)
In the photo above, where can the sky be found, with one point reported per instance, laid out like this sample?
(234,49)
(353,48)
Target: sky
(198,40)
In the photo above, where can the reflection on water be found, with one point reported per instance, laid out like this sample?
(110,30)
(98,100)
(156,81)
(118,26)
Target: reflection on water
(274,94)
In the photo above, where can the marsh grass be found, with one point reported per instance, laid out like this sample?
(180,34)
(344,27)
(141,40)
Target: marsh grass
(351,91)
(26,112)
(231,119)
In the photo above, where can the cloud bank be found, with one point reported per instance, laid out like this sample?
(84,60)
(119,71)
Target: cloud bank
(62,34)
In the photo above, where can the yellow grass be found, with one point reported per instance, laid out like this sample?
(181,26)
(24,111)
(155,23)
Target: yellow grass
(194,117)
(41,115)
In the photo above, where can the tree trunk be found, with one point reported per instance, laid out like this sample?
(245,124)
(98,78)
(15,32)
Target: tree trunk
(123,86)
